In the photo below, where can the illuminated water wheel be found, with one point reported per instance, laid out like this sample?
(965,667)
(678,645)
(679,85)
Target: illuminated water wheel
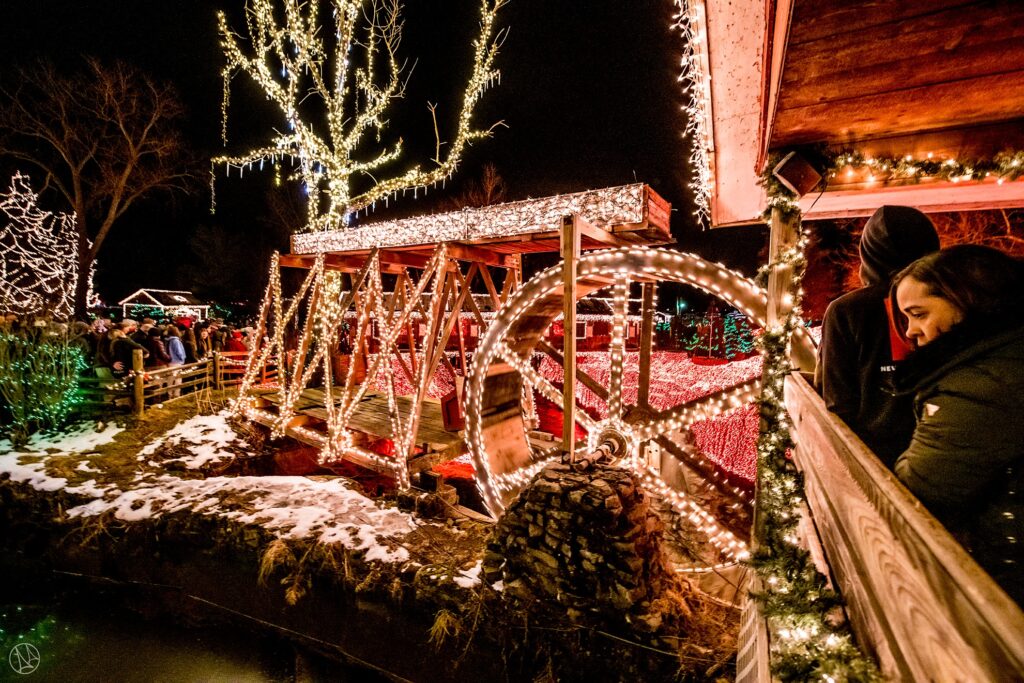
(497,391)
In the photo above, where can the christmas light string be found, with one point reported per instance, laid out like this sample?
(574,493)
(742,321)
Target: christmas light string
(604,208)
(695,77)
(807,643)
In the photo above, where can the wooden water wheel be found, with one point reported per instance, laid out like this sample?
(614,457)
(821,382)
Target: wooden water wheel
(497,406)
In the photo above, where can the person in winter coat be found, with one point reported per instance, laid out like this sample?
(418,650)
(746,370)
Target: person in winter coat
(235,343)
(158,356)
(859,345)
(962,309)
(176,350)
(204,346)
(188,340)
(121,349)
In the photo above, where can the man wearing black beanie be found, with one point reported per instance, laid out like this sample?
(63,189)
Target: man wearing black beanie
(859,347)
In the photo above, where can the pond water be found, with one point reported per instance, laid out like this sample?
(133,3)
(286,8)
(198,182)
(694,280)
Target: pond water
(51,631)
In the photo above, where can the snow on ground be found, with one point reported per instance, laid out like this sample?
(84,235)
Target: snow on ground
(206,437)
(468,578)
(78,438)
(290,507)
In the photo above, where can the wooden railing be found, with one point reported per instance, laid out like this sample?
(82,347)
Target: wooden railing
(148,387)
(231,366)
(915,598)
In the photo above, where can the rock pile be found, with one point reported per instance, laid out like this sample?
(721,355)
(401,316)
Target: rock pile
(587,541)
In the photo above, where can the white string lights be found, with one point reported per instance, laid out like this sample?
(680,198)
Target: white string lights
(38,255)
(691,22)
(345,67)
(604,208)
(326,307)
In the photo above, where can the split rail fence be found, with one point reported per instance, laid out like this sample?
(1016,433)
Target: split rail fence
(145,388)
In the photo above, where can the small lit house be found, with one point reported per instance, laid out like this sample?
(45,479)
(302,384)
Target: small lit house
(173,304)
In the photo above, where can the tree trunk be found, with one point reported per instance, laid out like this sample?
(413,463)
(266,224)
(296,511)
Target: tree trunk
(82,285)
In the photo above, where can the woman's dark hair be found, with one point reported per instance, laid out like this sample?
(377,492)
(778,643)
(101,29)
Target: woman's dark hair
(981,282)
(172,331)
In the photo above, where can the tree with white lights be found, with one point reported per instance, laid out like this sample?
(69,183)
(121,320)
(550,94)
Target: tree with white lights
(38,255)
(102,138)
(333,79)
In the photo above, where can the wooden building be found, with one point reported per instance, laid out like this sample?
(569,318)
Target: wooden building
(909,83)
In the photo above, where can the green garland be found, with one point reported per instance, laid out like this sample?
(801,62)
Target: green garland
(810,640)
(1008,165)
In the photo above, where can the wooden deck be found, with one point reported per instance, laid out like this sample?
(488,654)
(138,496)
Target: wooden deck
(371,418)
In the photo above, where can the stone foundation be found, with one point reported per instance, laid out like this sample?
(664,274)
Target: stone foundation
(588,541)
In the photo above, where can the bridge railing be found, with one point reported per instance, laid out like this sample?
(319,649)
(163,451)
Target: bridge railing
(915,598)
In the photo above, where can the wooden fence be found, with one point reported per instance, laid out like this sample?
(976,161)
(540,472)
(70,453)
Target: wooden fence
(915,598)
(162,385)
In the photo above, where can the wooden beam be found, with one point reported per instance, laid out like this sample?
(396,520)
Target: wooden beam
(570,249)
(785,233)
(586,380)
(491,289)
(643,396)
(599,235)
(478,254)
(404,258)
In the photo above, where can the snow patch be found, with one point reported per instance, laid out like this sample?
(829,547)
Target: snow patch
(77,438)
(289,507)
(206,437)
(468,578)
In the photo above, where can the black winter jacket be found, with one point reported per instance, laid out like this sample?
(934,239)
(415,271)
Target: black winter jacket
(856,363)
(857,371)
(966,457)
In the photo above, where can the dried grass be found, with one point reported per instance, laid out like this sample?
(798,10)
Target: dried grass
(446,625)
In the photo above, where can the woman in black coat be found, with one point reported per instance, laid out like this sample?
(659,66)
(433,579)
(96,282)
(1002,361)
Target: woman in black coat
(962,309)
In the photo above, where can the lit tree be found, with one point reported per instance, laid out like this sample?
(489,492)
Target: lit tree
(737,336)
(707,340)
(333,81)
(38,254)
(103,138)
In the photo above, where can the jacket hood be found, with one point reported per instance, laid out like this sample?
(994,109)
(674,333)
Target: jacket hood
(893,238)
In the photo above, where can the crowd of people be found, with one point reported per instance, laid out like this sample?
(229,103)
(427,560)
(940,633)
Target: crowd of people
(926,364)
(167,344)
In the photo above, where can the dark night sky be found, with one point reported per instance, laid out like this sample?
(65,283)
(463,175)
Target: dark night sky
(588,92)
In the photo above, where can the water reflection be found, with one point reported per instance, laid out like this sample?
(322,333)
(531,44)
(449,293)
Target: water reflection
(85,637)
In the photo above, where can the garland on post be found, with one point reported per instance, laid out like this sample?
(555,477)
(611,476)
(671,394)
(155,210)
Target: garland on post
(810,640)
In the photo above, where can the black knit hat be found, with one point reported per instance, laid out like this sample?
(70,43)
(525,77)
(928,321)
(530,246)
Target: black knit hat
(893,238)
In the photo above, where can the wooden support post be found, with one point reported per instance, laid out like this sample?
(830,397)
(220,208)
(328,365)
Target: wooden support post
(646,344)
(138,383)
(218,379)
(785,233)
(570,249)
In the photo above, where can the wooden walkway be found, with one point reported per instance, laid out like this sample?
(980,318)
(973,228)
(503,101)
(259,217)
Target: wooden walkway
(371,418)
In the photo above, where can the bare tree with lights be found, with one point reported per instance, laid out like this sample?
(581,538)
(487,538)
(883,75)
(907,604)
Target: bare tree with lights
(103,139)
(333,79)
